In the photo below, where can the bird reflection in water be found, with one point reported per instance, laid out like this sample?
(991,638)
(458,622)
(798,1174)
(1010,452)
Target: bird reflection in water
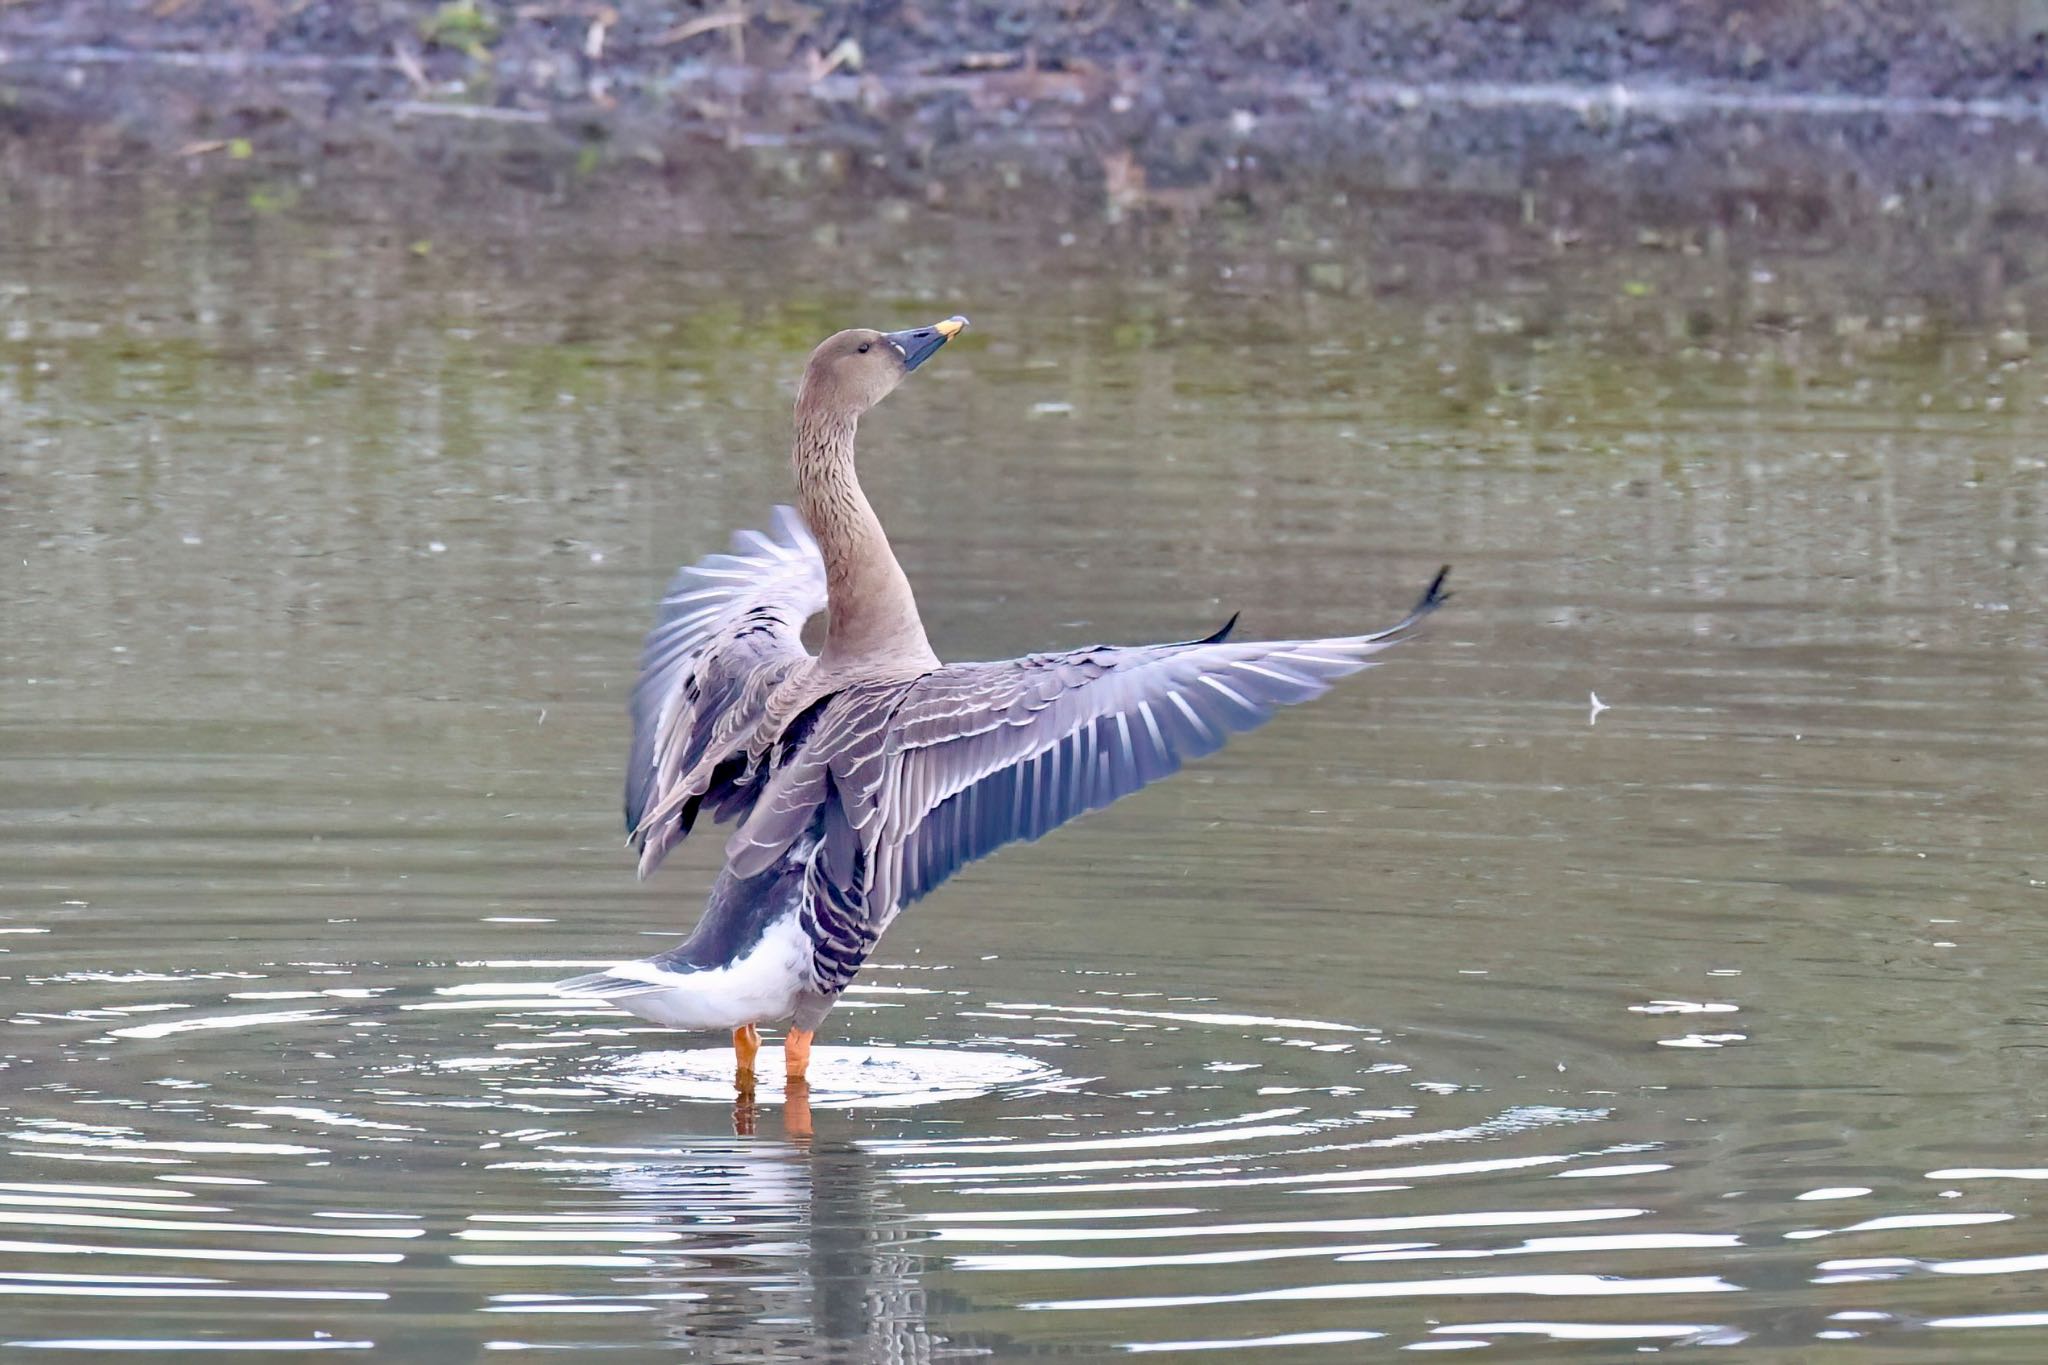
(796,1110)
(791,1250)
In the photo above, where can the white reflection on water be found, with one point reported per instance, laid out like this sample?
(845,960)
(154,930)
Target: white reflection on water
(1893,1222)
(1590,1331)
(1011,1262)
(1007,1173)
(1219,1020)
(224,1021)
(1331,1338)
(67,1202)
(1547,1286)
(192,1253)
(193,1345)
(1990,1265)
(80,1136)
(81,1220)
(1507,1218)
(566,1262)
(324,1117)
(131,1291)
(123,1191)
(841,1077)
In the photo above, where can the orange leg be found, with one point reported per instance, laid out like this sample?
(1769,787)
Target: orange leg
(796,1053)
(746,1042)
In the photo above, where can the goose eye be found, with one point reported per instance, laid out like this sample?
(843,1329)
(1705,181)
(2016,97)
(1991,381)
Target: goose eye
(864,348)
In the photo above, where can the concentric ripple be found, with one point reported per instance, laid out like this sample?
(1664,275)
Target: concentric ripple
(1114,1170)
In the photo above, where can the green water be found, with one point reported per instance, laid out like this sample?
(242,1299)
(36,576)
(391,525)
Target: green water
(1436,1014)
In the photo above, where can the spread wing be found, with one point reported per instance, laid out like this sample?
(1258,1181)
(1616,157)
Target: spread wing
(728,631)
(995,752)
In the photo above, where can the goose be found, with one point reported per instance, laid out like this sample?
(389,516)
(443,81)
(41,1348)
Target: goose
(860,778)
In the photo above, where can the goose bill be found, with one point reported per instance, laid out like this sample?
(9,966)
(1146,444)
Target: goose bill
(917,345)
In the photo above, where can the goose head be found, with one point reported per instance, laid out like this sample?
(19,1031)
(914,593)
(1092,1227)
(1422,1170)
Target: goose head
(851,371)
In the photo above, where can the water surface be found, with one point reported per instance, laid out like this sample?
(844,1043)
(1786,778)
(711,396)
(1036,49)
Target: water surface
(1443,1014)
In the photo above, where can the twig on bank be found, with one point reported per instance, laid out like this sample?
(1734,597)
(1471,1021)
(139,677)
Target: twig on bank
(410,65)
(703,23)
(473,113)
(594,36)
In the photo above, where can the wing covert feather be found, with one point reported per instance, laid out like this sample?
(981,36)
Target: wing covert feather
(728,631)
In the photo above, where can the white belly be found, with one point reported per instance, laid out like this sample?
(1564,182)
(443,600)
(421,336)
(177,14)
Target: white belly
(759,987)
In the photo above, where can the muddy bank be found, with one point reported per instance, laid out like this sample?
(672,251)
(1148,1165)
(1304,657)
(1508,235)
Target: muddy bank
(667,58)
(1174,109)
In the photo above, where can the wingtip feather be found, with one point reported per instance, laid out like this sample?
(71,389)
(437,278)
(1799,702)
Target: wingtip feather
(1435,595)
